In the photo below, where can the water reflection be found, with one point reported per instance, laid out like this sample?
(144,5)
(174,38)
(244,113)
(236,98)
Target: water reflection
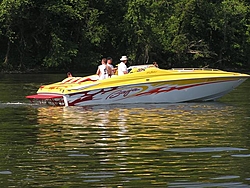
(192,122)
(177,145)
(146,112)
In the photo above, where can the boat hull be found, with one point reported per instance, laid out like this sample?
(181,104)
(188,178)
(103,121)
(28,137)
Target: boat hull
(174,91)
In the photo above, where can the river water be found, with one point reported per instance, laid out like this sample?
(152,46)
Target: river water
(151,145)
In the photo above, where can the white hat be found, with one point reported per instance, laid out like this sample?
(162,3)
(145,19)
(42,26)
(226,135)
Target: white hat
(124,58)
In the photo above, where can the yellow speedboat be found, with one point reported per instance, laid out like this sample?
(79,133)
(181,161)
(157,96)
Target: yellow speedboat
(143,84)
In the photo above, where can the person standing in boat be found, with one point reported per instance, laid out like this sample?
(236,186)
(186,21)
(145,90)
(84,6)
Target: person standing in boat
(109,63)
(122,67)
(103,70)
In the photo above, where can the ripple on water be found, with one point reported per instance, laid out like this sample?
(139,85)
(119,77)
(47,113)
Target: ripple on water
(6,172)
(225,177)
(96,176)
(241,155)
(202,185)
(78,155)
(206,149)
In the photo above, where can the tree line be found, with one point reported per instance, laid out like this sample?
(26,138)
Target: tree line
(76,34)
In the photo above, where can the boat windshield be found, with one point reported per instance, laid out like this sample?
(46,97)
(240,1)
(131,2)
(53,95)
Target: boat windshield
(139,68)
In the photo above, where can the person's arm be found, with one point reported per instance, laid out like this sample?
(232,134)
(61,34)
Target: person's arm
(125,70)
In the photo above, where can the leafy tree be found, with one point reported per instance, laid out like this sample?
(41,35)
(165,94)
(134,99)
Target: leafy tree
(15,25)
(230,26)
(49,33)
(145,24)
(75,29)
(70,34)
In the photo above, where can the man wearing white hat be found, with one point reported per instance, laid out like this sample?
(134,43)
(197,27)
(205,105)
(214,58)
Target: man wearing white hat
(122,68)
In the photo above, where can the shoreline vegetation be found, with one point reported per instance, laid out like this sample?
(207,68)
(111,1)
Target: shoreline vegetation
(55,36)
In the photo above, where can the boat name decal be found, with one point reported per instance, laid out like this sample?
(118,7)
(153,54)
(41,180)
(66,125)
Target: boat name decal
(123,93)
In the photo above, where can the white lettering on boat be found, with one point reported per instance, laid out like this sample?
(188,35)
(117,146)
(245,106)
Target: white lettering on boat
(123,93)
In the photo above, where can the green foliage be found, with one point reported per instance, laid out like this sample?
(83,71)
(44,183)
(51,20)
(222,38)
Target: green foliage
(61,52)
(229,25)
(76,34)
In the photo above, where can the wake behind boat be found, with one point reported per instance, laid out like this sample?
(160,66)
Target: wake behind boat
(143,84)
